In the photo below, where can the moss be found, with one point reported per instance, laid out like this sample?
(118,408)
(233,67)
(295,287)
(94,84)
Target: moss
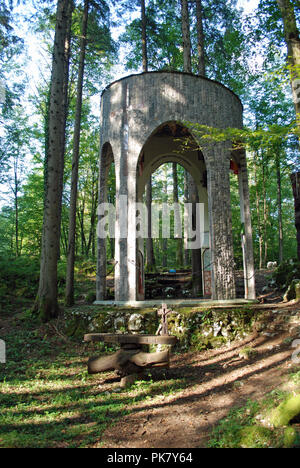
(247,353)
(195,328)
(289,437)
(285,412)
(255,437)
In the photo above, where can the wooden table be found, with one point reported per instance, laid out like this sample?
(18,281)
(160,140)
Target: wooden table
(130,360)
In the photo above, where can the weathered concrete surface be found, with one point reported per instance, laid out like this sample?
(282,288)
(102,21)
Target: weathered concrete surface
(132,109)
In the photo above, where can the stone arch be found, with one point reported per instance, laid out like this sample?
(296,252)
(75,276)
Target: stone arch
(164,145)
(168,154)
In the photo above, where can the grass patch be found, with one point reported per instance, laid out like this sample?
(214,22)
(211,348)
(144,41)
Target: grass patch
(47,399)
(250,427)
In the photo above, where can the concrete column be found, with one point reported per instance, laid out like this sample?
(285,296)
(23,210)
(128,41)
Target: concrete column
(218,165)
(131,239)
(247,245)
(121,247)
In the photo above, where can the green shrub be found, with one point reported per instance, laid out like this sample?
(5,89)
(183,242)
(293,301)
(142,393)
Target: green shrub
(286,273)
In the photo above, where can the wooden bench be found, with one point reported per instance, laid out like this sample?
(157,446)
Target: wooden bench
(130,360)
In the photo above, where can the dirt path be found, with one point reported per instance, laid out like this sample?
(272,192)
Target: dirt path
(220,381)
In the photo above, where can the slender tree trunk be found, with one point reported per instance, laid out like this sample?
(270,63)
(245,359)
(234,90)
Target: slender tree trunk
(164,240)
(279,202)
(177,217)
(295,179)
(69,299)
(259,229)
(80,216)
(186,200)
(265,219)
(292,40)
(16,197)
(144,36)
(47,298)
(196,253)
(93,217)
(186,38)
(187,67)
(200,39)
(150,259)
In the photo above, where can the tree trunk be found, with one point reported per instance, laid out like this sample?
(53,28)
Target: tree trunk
(265,219)
(186,200)
(165,240)
(292,40)
(80,215)
(150,259)
(187,67)
(279,202)
(195,253)
(93,218)
(46,302)
(295,178)
(200,39)
(144,36)
(177,217)
(186,38)
(69,299)
(16,197)
(259,229)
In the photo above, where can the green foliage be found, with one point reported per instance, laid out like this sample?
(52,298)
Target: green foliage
(59,405)
(19,280)
(19,277)
(242,427)
(286,273)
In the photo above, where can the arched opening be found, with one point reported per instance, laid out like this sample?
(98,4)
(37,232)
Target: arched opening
(105,228)
(171,171)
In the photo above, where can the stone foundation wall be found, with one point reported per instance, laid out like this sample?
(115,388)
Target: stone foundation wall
(195,329)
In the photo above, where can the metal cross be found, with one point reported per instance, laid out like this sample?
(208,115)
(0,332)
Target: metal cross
(164,311)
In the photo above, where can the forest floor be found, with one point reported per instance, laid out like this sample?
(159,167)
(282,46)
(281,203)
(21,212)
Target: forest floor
(48,399)
(220,380)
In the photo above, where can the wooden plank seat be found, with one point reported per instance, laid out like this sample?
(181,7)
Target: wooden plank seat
(130,360)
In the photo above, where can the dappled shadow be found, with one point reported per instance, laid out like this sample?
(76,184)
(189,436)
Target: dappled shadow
(57,404)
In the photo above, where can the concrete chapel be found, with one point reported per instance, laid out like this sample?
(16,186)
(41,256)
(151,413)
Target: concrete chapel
(143,119)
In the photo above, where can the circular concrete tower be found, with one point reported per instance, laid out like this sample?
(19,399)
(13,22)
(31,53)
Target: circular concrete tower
(144,119)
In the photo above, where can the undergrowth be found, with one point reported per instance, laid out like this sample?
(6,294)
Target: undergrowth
(249,427)
(47,398)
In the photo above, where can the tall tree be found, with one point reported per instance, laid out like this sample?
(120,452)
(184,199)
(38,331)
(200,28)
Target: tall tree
(150,259)
(292,39)
(186,37)
(144,36)
(192,188)
(200,38)
(75,162)
(177,218)
(295,178)
(47,297)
